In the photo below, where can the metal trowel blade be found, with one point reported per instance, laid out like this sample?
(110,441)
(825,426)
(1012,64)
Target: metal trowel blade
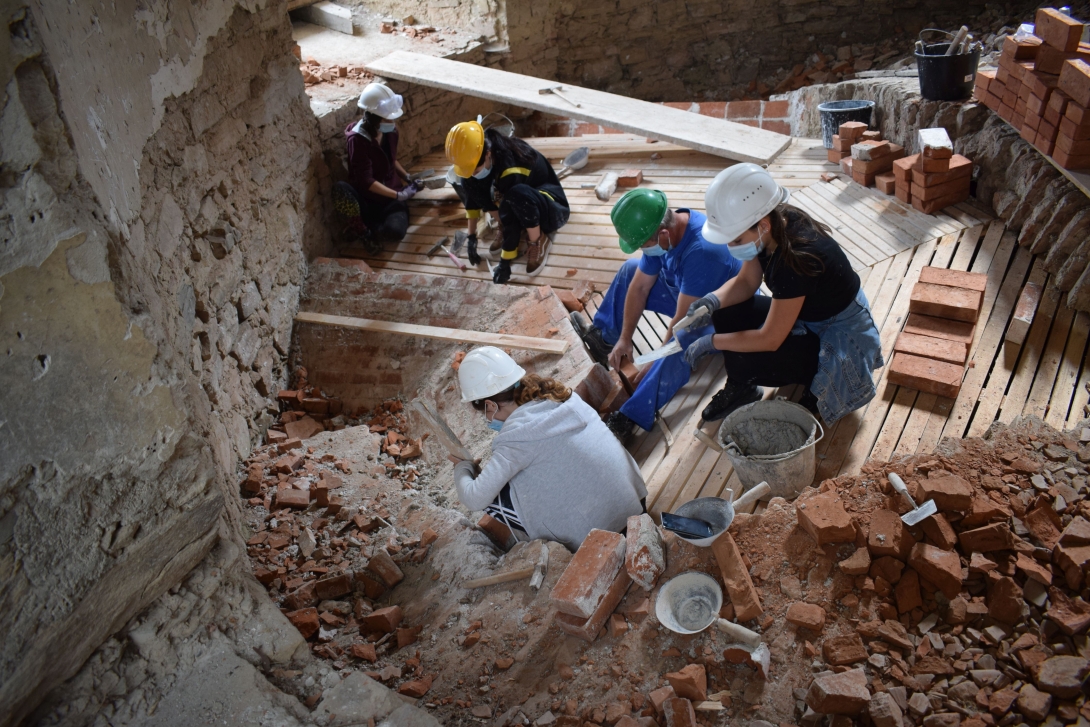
(921,513)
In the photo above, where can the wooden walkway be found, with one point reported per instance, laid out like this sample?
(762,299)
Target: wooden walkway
(1047,376)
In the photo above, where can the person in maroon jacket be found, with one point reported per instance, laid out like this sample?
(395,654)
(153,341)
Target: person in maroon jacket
(374,197)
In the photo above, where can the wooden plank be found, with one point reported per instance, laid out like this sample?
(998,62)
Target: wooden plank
(900,214)
(1081,396)
(704,133)
(932,431)
(892,427)
(1049,365)
(1068,375)
(915,425)
(1030,354)
(526,343)
(937,348)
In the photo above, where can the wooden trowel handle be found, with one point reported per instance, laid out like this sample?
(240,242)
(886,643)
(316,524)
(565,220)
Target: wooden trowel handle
(752,495)
(899,485)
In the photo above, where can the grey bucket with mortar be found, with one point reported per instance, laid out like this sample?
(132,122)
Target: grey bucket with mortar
(835,113)
(772,441)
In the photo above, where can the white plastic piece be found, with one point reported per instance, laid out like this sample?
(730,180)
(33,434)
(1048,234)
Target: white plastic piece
(662,352)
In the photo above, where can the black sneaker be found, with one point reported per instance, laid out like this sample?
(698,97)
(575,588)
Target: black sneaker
(592,338)
(810,401)
(729,398)
(622,427)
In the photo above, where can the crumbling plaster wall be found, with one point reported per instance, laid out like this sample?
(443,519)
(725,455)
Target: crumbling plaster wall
(1050,214)
(160,188)
(478,16)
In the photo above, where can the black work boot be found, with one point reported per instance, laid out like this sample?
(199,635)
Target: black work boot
(592,338)
(622,427)
(729,398)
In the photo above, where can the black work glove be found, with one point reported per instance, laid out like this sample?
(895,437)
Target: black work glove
(502,272)
(471,250)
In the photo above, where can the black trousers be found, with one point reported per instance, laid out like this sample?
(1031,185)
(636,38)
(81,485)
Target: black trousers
(794,362)
(388,221)
(523,207)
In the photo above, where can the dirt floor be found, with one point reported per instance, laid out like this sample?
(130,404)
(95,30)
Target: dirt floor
(493,653)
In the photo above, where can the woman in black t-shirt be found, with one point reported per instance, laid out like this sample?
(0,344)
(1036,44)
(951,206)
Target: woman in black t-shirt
(815,330)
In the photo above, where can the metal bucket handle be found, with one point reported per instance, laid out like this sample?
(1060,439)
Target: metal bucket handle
(933,30)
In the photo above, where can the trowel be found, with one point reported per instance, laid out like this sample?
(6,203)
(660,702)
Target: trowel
(916,514)
(440,429)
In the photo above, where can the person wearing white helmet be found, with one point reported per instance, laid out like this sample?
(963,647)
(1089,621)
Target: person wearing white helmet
(815,330)
(373,199)
(556,471)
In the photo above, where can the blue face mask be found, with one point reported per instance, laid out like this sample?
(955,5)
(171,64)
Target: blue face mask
(655,250)
(748,250)
(387,127)
(485,171)
(495,425)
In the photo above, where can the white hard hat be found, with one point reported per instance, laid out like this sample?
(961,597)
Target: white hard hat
(378,98)
(737,199)
(486,371)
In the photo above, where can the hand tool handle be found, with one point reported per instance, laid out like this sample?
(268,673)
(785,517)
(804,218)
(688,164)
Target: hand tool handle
(459,263)
(752,495)
(738,633)
(899,485)
(685,323)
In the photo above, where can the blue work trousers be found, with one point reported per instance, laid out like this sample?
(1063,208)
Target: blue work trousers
(666,376)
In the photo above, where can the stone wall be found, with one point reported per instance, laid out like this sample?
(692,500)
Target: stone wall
(1049,213)
(161,188)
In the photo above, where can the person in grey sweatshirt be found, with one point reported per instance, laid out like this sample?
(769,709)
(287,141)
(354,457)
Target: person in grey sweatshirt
(556,471)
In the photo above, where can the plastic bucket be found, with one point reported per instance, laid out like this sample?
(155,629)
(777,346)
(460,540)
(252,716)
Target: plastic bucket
(689,603)
(772,441)
(835,113)
(946,78)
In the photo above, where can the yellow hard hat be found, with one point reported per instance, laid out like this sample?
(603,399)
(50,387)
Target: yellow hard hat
(465,143)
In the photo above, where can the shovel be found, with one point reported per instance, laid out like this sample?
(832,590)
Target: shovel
(916,514)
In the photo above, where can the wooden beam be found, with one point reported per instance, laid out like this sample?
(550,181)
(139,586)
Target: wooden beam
(457,335)
(715,136)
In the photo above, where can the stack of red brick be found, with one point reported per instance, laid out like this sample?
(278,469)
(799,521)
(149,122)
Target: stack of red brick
(1042,88)
(865,155)
(936,177)
(931,352)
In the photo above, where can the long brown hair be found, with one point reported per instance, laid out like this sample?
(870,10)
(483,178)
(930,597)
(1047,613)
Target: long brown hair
(530,387)
(794,230)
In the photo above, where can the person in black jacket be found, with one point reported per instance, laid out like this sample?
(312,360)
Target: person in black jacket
(505,174)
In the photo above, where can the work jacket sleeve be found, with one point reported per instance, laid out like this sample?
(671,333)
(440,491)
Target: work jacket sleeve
(478,197)
(360,166)
(476,493)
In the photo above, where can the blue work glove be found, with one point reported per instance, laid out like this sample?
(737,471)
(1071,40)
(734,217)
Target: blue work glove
(703,308)
(699,348)
(407,193)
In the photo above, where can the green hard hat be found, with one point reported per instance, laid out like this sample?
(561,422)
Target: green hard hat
(637,215)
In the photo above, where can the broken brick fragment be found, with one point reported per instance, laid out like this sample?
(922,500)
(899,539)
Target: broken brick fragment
(363,651)
(743,596)
(1005,601)
(939,531)
(328,589)
(843,650)
(996,536)
(590,574)
(588,629)
(659,696)
(950,492)
(384,620)
(907,592)
(305,620)
(806,615)
(416,688)
(844,693)
(941,567)
(383,566)
(823,516)
(288,497)
(888,535)
(857,564)
(678,712)
(690,682)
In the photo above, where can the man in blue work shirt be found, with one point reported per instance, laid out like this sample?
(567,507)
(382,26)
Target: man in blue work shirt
(676,268)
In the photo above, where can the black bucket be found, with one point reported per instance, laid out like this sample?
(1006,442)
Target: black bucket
(946,78)
(835,113)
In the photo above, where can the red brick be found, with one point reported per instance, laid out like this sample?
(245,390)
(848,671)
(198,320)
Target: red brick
(289,497)
(925,374)
(690,682)
(255,473)
(384,620)
(843,145)
(941,567)
(617,625)
(888,535)
(302,597)
(1057,30)
(627,178)
(844,693)
(1075,81)
(364,651)
(779,127)
(588,629)
(907,592)
(927,164)
(743,596)
(928,347)
(645,557)
(807,615)
(902,168)
(775,110)
(851,130)
(499,533)
(305,620)
(941,191)
(407,636)
(372,587)
(659,696)
(743,110)
(950,492)
(886,182)
(823,516)
(945,301)
(288,444)
(923,325)
(716,109)
(679,712)
(417,687)
(333,587)
(590,574)
(844,650)
(958,167)
(996,536)
(383,566)
(934,206)
(1023,49)
(833,156)
(289,463)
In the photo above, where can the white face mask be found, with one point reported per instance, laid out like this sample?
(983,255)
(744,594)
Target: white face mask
(485,171)
(655,250)
(748,250)
(387,127)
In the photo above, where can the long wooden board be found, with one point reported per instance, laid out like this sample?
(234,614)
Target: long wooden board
(526,343)
(715,136)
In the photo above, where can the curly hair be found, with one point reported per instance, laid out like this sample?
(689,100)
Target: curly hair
(530,387)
